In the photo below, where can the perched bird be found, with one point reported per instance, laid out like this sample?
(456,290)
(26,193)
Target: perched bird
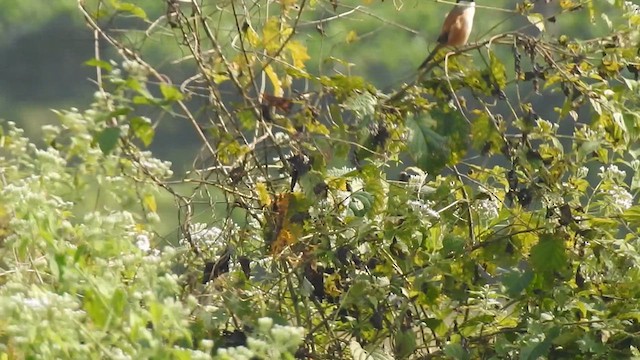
(456,28)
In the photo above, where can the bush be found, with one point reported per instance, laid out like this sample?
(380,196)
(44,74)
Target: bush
(485,210)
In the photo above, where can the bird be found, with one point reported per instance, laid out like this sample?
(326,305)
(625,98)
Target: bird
(456,28)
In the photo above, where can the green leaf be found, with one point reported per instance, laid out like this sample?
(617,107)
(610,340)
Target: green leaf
(99,63)
(170,93)
(548,255)
(130,8)
(498,70)
(405,343)
(535,351)
(516,281)
(344,86)
(361,203)
(57,264)
(108,139)
(539,349)
(118,302)
(143,130)
(632,215)
(426,147)
(484,134)
(452,244)
(376,185)
(438,138)
(142,100)
(95,308)
(247,119)
(456,351)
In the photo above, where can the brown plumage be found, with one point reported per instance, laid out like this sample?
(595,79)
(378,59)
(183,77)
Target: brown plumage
(456,28)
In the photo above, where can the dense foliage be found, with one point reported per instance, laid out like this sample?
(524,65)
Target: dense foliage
(486,209)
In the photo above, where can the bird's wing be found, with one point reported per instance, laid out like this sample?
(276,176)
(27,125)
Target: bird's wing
(443,38)
(449,22)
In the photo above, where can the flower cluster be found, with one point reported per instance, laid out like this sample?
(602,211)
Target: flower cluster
(270,342)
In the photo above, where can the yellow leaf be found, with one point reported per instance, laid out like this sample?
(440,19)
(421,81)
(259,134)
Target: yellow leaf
(273,33)
(263,194)
(287,4)
(352,36)
(277,84)
(220,78)
(537,20)
(298,53)
(287,82)
(150,202)
(252,37)
(331,285)
(314,127)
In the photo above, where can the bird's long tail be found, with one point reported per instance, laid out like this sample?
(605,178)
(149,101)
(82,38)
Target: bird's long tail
(432,54)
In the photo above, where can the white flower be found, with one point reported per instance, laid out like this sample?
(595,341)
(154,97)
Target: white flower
(620,198)
(143,243)
(36,303)
(356,184)
(487,208)
(281,138)
(612,172)
(424,207)
(546,126)
(264,324)
(200,233)
(582,172)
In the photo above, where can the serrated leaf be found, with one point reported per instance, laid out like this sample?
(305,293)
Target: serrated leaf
(272,33)
(428,149)
(484,132)
(516,281)
(548,255)
(363,104)
(376,185)
(344,86)
(298,53)
(108,139)
(498,70)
